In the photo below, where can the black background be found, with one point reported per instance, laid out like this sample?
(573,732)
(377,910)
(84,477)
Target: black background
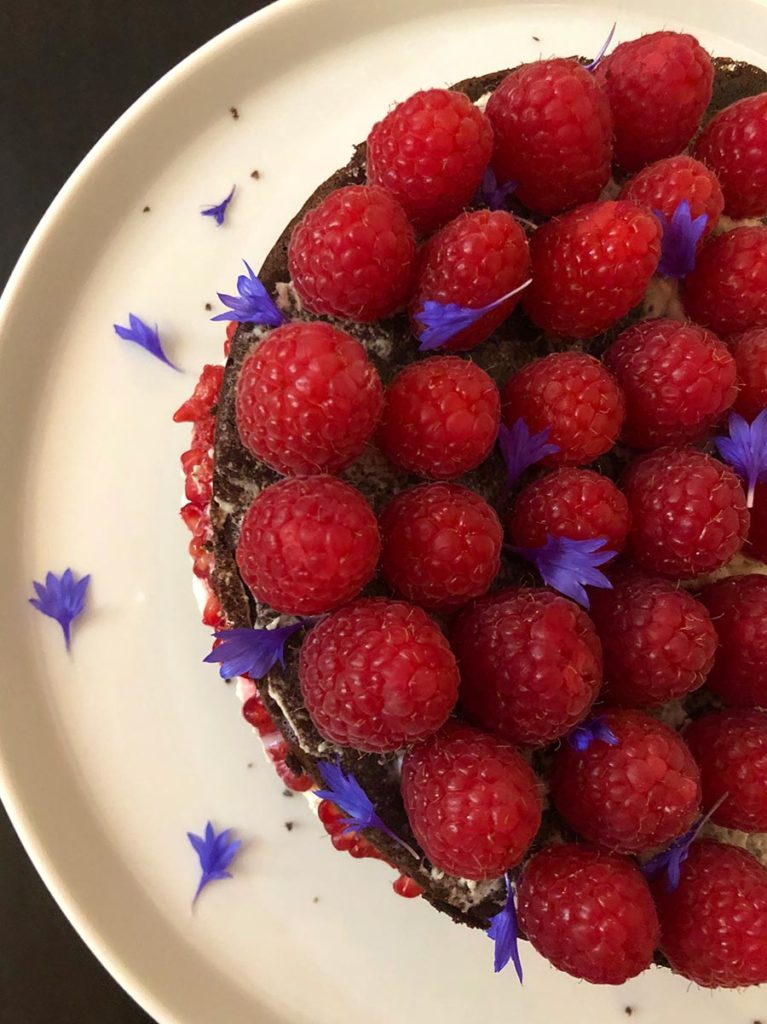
(68,69)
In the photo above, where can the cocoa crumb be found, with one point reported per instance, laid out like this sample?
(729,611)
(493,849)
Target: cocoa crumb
(255,175)
(146,209)
(289,825)
(235,113)
(208,306)
(288,793)
(629,1010)
(537,39)
(316,899)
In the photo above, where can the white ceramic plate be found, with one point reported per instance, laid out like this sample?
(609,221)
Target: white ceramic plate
(108,757)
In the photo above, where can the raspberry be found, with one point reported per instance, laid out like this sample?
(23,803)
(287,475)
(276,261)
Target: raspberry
(308,545)
(727,291)
(750,351)
(308,399)
(407,887)
(377,675)
(473,803)
(576,503)
(255,714)
(531,664)
(197,466)
(677,378)
(757,535)
(714,924)
(664,185)
(659,87)
(738,607)
(688,513)
(553,134)
(430,152)
(591,266)
(204,398)
(575,397)
(352,256)
(731,750)
(734,145)
(440,418)
(334,821)
(441,545)
(473,261)
(658,641)
(588,912)
(632,797)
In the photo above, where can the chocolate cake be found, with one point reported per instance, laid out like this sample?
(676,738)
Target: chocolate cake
(238,477)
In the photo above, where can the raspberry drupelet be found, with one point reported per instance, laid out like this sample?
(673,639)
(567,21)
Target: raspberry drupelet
(677,379)
(750,351)
(664,185)
(633,797)
(352,256)
(727,291)
(617,927)
(440,417)
(307,545)
(530,662)
(553,135)
(572,395)
(472,801)
(441,545)
(430,152)
(738,609)
(308,399)
(734,145)
(377,675)
(473,261)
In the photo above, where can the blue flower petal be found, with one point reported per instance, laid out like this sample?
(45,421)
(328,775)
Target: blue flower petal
(252,652)
(520,449)
(218,211)
(679,243)
(438,322)
(61,599)
(746,450)
(252,304)
(504,932)
(594,64)
(145,336)
(215,853)
(583,735)
(569,565)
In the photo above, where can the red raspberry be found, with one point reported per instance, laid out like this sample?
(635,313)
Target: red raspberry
(659,87)
(308,399)
(731,750)
(430,152)
(757,535)
(658,641)
(688,513)
(473,803)
(575,397)
(591,266)
(750,351)
(678,379)
(377,675)
(738,607)
(473,261)
(588,912)
(553,134)
(407,887)
(714,924)
(632,797)
(308,545)
(441,545)
(334,820)
(531,664)
(204,398)
(352,256)
(664,185)
(440,418)
(727,291)
(255,714)
(197,467)
(576,503)
(734,145)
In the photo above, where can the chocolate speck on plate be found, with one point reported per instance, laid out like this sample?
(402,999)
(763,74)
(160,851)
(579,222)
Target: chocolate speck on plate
(255,175)
(146,209)
(289,825)
(288,793)
(235,113)
(208,306)
(537,39)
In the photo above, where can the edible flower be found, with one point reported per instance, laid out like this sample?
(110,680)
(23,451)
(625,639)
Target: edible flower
(215,853)
(438,322)
(569,565)
(218,211)
(494,193)
(145,336)
(61,598)
(504,932)
(679,243)
(746,450)
(252,652)
(582,736)
(252,304)
(521,449)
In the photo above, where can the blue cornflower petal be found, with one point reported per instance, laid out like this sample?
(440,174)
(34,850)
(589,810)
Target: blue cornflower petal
(215,853)
(61,599)
(521,449)
(145,336)
(252,304)
(746,450)
(569,566)
(218,212)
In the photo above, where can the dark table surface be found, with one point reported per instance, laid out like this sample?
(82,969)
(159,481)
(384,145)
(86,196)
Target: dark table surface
(68,69)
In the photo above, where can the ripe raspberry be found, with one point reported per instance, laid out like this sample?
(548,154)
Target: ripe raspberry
(664,185)
(575,397)
(441,545)
(377,675)
(659,87)
(473,261)
(632,797)
(430,152)
(738,608)
(714,924)
(576,503)
(352,256)
(591,266)
(731,750)
(677,378)
(204,399)
(688,513)
(307,545)
(727,291)
(757,534)
(308,399)
(440,418)
(473,803)
(531,664)
(553,134)
(588,912)
(750,351)
(734,145)
(335,822)
(658,641)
